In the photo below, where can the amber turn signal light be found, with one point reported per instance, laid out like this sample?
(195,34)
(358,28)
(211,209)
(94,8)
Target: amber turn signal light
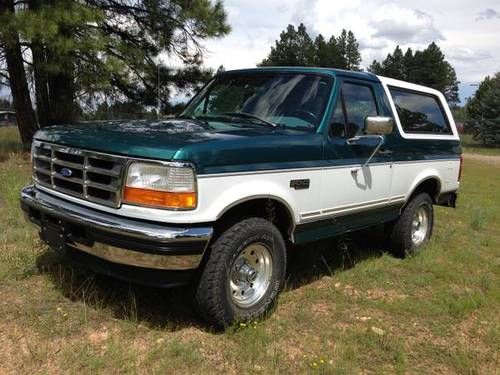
(162,199)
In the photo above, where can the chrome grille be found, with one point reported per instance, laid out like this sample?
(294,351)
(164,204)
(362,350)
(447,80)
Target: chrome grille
(89,175)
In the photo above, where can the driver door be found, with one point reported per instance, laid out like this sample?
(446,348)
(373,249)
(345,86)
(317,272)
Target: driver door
(347,187)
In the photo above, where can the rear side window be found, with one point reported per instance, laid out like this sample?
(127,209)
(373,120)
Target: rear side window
(419,113)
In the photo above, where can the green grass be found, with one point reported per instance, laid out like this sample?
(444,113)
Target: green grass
(470,145)
(342,312)
(10,144)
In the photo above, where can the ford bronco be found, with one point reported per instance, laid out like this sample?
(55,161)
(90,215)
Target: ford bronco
(260,159)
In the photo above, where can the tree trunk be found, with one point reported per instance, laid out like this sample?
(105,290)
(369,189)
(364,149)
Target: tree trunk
(26,118)
(62,86)
(62,92)
(41,84)
(40,75)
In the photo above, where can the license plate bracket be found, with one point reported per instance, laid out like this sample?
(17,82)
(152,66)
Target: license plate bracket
(53,235)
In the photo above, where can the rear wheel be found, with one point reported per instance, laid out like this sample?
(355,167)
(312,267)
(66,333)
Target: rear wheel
(413,229)
(243,275)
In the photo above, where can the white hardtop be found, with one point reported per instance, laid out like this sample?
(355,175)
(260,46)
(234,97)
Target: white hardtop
(386,82)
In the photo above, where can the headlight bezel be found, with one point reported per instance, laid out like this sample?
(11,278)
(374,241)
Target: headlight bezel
(164,164)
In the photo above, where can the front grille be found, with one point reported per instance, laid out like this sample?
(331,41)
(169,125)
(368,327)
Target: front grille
(88,175)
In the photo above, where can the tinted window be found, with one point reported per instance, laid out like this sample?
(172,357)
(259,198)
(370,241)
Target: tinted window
(419,113)
(294,100)
(359,103)
(337,122)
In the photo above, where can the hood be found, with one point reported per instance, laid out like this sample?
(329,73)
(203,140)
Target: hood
(214,148)
(139,138)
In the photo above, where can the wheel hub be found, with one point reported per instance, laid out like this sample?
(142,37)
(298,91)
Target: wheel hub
(250,275)
(420,226)
(247,273)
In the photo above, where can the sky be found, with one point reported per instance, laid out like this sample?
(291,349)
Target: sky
(468,31)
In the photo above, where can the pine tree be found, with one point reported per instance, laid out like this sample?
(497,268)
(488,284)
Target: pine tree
(335,59)
(427,67)
(11,48)
(483,112)
(451,88)
(393,65)
(430,68)
(321,51)
(408,62)
(375,68)
(327,54)
(342,46)
(294,48)
(80,51)
(352,55)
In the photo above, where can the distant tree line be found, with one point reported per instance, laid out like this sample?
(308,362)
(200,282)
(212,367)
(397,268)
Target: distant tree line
(5,104)
(483,112)
(427,67)
(72,53)
(295,47)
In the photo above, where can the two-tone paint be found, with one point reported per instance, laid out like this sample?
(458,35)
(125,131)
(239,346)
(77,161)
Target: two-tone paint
(241,163)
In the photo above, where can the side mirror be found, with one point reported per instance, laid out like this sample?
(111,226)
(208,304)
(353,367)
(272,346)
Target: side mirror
(378,125)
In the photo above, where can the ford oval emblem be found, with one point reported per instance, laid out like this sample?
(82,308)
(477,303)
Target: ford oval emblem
(66,172)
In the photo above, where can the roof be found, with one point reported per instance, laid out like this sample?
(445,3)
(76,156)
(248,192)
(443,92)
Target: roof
(410,86)
(306,69)
(339,73)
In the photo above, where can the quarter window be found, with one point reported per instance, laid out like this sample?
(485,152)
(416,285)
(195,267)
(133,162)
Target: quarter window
(419,113)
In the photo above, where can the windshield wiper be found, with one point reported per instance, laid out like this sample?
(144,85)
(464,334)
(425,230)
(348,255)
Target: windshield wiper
(250,116)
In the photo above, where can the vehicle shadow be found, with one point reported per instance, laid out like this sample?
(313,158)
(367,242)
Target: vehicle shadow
(311,262)
(171,309)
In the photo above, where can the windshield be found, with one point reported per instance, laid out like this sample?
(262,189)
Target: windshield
(276,99)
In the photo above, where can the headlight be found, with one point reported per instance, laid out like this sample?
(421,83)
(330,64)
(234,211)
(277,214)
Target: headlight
(159,185)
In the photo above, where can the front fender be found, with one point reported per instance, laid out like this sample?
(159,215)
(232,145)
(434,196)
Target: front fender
(217,195)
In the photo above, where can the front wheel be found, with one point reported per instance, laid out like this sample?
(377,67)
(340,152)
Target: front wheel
(413,229)
(243,275)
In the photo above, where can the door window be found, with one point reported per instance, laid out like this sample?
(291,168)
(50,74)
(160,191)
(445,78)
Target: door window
(354,105)
(337,123)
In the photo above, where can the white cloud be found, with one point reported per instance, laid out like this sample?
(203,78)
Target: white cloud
(379,25)
(468,55)
(403,25)
(487,14)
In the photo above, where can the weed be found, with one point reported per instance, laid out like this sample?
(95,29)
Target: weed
(478,218)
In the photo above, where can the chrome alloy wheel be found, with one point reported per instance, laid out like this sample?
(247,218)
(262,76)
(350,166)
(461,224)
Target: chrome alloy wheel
(420,226)
(250,275)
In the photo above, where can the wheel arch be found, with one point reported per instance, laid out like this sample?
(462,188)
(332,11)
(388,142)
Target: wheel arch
(259,205)
(430,184)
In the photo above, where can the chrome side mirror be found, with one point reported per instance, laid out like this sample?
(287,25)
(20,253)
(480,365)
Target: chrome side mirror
(378,125)
(375,127)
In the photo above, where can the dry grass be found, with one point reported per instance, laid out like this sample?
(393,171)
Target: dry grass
(342,312)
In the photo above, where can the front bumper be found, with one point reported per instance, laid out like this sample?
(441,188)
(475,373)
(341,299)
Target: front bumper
(114,239)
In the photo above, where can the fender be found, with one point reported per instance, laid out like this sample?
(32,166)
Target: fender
(425,175)
(230,193)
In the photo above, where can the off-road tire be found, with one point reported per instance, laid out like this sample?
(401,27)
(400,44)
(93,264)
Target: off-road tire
(400,231)
(212,297)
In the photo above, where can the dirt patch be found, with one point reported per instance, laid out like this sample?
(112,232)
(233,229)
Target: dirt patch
(387,295)
(490,159)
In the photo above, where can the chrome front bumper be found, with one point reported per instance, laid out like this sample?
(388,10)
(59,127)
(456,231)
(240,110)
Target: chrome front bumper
(116,239)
